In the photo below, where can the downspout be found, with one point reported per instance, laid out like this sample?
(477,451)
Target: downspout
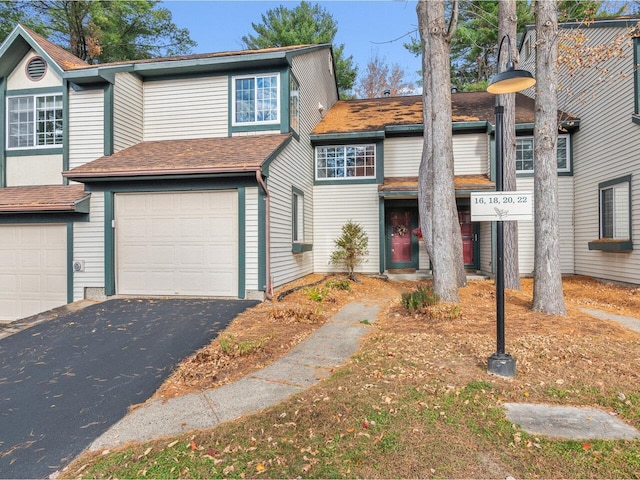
(267,225)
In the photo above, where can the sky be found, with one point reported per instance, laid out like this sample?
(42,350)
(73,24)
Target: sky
(365,27)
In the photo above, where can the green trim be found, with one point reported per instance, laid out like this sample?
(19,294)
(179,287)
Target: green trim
(469,127)
(612,246)
(381,236)
(108,119)
(262,240)
(274,155)
(285,101)
(3,132)
(34,151)
(57,217)
(69,262)
(347,182)
(636,78)
(35,91)
(380,162)
(342,138)
(242,248)
(379,178)
(162,183)
(65,130)
(402,205)
(635,118)
(301,247)
(26,44)
(109,245)
(416,128)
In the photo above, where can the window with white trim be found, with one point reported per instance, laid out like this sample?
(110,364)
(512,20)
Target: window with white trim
(345,162)
(294,104)
(525,149)
(297,216)
(615,208)
(34,121)
(256,99)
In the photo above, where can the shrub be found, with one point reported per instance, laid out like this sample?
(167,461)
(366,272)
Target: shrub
(338,285)
(351,247)
(422,297)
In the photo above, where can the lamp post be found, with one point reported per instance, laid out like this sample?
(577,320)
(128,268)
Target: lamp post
(512,80)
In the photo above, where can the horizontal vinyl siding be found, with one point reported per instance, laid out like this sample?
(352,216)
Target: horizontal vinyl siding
(191,108)
(127,111)
(334,206)
(486,249)
(605,148)
(88,245)
(86,126)
(402,156)
(251,239)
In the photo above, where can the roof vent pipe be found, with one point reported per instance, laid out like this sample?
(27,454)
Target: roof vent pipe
(387,93)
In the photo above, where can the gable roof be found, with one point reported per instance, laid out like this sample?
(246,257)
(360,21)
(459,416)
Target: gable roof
(203,156)
(43,198)
(377,114)
(65,60)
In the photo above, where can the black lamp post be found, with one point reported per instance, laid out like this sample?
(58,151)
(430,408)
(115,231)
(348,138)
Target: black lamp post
(509,81)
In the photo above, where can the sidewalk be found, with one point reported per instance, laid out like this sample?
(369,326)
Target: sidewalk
(308,363)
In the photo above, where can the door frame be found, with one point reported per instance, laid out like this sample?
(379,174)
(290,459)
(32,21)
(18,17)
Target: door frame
(466,203)
(412,207)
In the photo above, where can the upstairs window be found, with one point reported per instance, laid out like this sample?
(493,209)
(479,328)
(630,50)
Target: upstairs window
(256,99)
(524,154)
(345,162)
(294,104)
(34,121)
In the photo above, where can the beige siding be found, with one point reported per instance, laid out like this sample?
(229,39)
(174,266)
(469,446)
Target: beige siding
(86,120)
(127,111)
(88,246)
(18,79)
(251,239)
(334,206)
(294,168)
(34,170)
(190,108)
(402,155)
(486,249)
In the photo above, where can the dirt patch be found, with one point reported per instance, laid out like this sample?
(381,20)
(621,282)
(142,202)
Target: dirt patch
(268,331)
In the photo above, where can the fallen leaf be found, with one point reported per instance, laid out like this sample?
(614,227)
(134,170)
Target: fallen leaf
(193,445)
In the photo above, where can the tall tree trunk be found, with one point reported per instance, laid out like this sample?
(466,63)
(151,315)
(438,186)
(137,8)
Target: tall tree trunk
(446,251)
(507,21)
(547,288)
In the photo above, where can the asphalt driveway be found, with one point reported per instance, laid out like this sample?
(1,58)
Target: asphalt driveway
(65,381)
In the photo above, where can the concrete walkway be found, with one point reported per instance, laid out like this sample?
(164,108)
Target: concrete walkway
(307,364)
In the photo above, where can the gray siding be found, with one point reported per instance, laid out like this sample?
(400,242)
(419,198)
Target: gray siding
(127,111)
(251,239)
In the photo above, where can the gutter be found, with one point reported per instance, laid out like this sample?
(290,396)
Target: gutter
(269,286)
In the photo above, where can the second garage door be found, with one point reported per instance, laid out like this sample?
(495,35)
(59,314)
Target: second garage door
(177,243)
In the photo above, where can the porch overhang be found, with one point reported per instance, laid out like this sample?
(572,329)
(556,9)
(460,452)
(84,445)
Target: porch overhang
(38,199)
(407,187)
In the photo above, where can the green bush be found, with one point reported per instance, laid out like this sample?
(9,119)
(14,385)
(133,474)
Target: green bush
(422,297)
(351,248)
(338,285)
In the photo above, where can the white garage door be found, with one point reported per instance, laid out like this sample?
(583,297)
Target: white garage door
(177,243)
(33,269)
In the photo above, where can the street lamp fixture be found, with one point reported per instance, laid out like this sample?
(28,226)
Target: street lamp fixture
(512,80)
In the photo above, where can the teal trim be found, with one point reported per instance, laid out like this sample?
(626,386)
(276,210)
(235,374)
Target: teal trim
(274,155)
(65,130)
(405,205)
(381,236)
(492,157)
(18,44)
(347,181)
(262,240)
(69,262)
(285,101)
(635,119)
(341,138)
(83,88)
(108,119)
(35,91)
(468,127)
(413,129)
(636,76)
(612,246)
(3,133)
(230,105)
(34,151)
(380,162)
(476,246)
(242,248)
(58,217)
(84,205)
(379,178)
(301,247)
(109,245)
(160,184)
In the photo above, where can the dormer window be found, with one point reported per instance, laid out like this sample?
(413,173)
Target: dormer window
(36,68)
(34,121)
(256,99)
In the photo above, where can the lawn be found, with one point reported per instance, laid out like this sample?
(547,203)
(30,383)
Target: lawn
(416,400)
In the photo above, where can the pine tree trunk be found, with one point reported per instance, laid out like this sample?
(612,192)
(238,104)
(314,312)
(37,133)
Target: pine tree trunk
(447,261)
(507,21)
(547,291)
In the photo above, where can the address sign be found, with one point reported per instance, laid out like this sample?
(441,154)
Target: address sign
(501,206)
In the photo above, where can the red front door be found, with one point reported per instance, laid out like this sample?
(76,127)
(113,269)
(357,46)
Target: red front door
(401,236)
(468,235)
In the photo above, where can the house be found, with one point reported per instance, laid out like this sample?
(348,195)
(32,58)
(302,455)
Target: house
(231,174)
(156,177)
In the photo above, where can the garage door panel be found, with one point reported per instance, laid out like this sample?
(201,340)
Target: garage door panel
(34,273)
(180,243)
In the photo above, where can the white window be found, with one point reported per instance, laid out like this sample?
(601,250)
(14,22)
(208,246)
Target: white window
(256,99)
(294,104)
(34,121)
(615,209)
(297,216)
(524,154)
(345,162)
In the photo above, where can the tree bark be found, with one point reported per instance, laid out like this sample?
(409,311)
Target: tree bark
(446,248)
(547,291)
(507,22)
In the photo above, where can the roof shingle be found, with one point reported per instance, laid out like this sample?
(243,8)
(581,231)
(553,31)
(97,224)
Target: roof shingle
(41,198)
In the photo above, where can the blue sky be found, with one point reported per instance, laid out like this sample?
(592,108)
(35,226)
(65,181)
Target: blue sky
(365,27)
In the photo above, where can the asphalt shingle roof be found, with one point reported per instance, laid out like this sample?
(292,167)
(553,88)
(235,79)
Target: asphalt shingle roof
(65,60)
(41,198)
